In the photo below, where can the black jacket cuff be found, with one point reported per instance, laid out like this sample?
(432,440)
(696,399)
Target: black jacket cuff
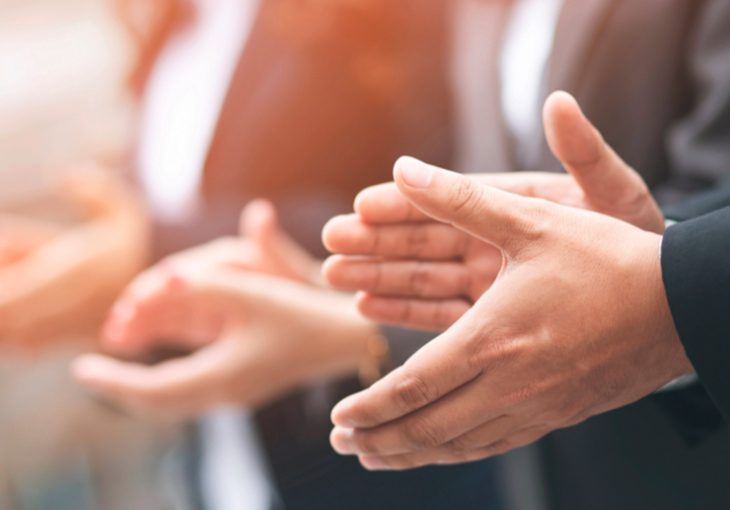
(696,272)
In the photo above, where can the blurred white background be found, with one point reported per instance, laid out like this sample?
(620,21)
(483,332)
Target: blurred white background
(62,99)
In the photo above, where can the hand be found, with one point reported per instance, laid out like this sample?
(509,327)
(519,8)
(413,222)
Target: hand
(275,252)
(421,273)
(253,337)
(250,336)
(62,286)
(576,324)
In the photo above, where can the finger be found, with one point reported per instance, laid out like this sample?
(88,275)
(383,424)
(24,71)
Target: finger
(487,433)
(435,315)
(182,308)
(259,221)
(445,455)
(601,173)
(384,203)
(348,235)
(502,219)
(400,278)
(192,309)
(279,253)
(440,367)
(188,384)
(457,413)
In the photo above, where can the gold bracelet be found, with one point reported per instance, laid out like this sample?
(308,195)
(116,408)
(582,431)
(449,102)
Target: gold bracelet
(377,352)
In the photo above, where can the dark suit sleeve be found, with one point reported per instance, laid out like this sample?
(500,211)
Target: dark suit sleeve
(696,271)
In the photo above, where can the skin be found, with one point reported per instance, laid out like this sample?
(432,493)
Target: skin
(250,312)
(575,324)
(58,282)
(421,273)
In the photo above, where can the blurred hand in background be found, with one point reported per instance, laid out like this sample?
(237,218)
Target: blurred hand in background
(57,282)
(249,312)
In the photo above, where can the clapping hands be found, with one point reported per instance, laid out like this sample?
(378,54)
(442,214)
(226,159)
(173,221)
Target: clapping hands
(247,316)
(575,322)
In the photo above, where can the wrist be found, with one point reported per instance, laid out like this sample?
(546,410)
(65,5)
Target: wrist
(676,362)
(346,342)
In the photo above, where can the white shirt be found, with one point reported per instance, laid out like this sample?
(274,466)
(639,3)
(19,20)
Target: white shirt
(523,63)
(182,103)
(180,112)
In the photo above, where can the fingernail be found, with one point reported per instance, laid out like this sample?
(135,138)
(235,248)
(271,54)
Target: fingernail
(341,440)
(374,464)
(415,174)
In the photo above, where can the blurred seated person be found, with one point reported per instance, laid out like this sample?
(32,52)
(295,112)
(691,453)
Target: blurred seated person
(240,99)
(57,281)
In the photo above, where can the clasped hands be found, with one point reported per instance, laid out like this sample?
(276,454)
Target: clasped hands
(554,313)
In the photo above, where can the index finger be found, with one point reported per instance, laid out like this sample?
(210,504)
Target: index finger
(384,203)
(436,370)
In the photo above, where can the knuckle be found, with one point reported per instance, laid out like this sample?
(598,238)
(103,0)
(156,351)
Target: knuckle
(463,444)
(366,443)
(535,219)
(499,448)
(522,395)
(418,240)
(422,434)
(466,196)
(413,393)
(419,279)
(373,242)
(494,352)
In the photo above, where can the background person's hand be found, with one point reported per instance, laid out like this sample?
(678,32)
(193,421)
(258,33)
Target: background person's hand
(63,280)
(421,273)
(253,337)
(247,311)
(576,324)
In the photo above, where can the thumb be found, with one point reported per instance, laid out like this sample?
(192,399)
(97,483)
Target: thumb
(499,218)
(284,256)
(259,222)
(605,178)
